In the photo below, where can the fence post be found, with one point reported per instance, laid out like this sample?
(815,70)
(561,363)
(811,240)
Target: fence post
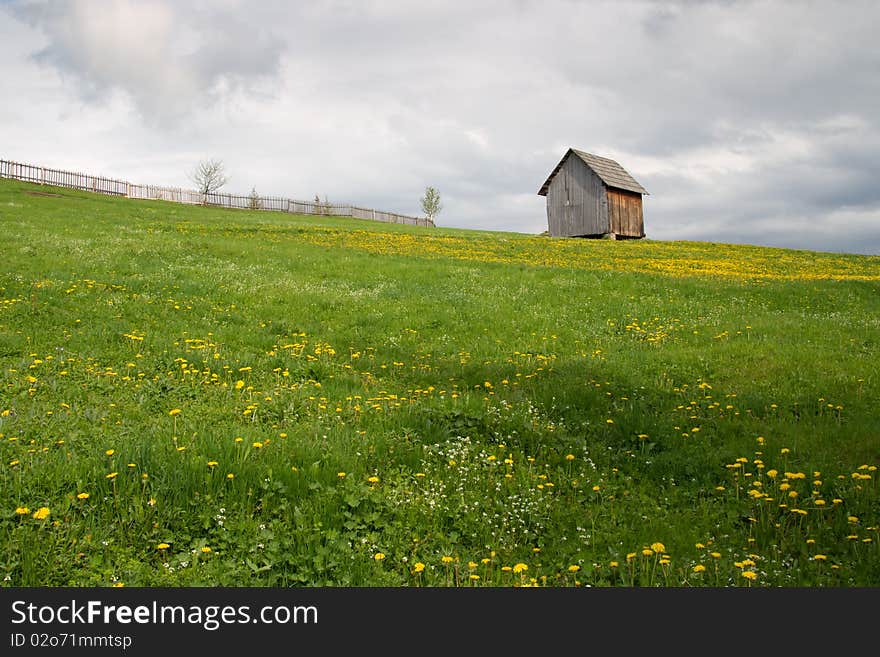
(78,180)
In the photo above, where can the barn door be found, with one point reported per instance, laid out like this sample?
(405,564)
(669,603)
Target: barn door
(625,213)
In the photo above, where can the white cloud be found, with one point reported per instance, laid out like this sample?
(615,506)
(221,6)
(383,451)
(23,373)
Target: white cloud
(170,59)
(747,121)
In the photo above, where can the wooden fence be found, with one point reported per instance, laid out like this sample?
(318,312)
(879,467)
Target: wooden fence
(113,187)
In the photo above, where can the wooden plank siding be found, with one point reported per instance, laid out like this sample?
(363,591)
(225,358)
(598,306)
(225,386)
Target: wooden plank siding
(577,205)
(593,196)
(625,211)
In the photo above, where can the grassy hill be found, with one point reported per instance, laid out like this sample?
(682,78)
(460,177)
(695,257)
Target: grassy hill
(193,396)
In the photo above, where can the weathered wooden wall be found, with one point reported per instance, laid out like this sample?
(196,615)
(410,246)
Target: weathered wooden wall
(625,212)
(577,204)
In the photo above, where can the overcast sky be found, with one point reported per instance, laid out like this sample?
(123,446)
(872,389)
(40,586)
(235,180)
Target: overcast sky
(748,122)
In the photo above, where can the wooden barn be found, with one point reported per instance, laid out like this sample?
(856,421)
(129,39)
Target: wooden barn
(592,196)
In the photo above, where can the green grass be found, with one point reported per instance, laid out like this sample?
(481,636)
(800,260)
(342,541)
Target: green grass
(506,409)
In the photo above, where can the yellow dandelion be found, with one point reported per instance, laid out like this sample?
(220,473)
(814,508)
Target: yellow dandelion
(446,559)
(112,475)
(258,445)
(174,411)
(574,568)
(658,547)
(230,476)
(520,568)
(163,546)
(110,452)
(475,577)
(373,480)
(750,575)
(569,457)
(205,549)
(379,556)
(82,496)
(22,510)
(613,564)
(341,475)
(820,557)
(699,568)
(239,384)
(715,555)
(647,552)
(418,567)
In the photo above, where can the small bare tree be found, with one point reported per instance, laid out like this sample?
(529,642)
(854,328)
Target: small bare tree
(209,176)
(322,207)
(431,205)
(254,202)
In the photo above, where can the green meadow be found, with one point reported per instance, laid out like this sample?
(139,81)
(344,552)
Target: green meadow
(192,396)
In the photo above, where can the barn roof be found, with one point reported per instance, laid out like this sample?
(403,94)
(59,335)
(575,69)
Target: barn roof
(609,172)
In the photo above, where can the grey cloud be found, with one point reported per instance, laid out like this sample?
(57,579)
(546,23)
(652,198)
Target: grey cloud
(169,61)
(750,121)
